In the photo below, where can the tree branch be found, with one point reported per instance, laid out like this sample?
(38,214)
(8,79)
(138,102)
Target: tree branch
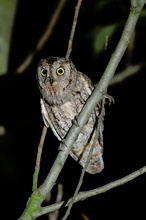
(128,72)
(38,159)
(134,3)
(69,49)
(87,194)
(78,185)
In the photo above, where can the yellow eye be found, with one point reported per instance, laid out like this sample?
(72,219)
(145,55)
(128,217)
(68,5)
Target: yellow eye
(44,72)
(60,71)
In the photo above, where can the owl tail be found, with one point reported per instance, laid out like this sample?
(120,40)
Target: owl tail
(95,164)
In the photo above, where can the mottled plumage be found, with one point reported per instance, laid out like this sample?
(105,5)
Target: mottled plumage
(64,91)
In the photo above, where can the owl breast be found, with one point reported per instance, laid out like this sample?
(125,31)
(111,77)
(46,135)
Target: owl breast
(61,116)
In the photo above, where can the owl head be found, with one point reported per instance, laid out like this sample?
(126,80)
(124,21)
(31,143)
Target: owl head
(56,77)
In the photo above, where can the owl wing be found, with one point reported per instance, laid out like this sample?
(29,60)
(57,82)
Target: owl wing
(46,118)
(91,134)
(87,87)
(95,164)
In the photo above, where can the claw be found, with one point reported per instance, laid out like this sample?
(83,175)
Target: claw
(62,145)
(110,98)
(75,121)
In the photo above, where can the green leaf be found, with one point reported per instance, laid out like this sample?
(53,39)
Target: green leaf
(100,35)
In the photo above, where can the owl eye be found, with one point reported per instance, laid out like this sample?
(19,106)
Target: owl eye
(44,72)
(60,71)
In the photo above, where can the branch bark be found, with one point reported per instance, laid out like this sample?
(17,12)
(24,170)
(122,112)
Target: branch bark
(69,49)
(87,194)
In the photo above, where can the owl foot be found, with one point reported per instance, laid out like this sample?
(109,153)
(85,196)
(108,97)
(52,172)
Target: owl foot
(75,121)
(62,146)
(110,98)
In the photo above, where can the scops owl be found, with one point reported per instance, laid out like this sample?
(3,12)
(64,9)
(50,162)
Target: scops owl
(64,91)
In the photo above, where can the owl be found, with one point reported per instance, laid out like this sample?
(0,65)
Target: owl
(64,91)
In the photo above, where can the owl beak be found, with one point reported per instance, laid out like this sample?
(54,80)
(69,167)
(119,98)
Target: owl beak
(51,80)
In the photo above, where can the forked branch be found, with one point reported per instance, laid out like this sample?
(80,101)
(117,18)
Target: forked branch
(87,194)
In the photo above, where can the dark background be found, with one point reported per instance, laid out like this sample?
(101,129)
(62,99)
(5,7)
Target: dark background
(124,134)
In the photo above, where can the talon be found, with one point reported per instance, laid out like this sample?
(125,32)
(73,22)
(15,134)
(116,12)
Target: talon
(110,98)
(75,121)
(62,145)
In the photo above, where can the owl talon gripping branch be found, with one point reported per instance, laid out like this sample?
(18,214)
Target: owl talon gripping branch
(75,121)
(62,146)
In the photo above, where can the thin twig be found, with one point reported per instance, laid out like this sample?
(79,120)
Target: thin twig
(128,72)
(79,184)
(54,215)
(44,38)
(77,9)
(38,158)
(40,147)
(84,216)
(87,194)
(84,195)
